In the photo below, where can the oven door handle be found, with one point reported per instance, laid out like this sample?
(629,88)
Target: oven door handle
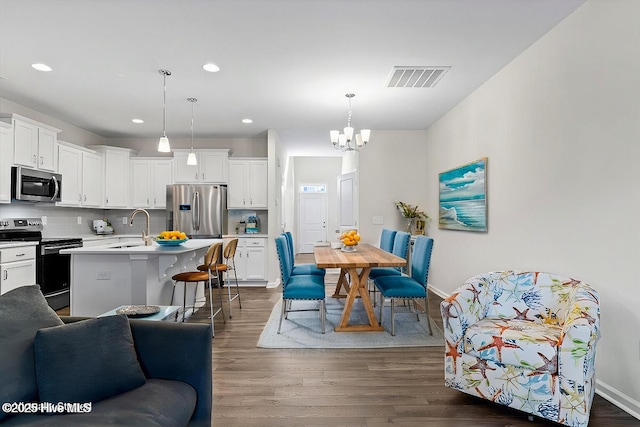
(55,249)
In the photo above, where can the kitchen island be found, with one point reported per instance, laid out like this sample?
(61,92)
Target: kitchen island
(105,277)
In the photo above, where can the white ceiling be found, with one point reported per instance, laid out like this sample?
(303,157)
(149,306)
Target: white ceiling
(287,64)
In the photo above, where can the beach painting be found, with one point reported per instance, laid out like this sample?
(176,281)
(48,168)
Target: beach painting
(463,197)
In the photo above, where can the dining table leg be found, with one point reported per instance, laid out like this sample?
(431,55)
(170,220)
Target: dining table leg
(358,288)
(343,282)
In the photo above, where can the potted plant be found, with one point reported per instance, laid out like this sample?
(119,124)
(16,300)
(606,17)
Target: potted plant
(413,214)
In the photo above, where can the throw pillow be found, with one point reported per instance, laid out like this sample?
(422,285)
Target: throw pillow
(86,361)
(23,311)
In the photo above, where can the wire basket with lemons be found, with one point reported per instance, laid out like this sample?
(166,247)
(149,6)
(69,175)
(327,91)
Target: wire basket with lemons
(171,238)
(350,240)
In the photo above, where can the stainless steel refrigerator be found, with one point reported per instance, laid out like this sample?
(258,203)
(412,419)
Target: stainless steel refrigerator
(199,210)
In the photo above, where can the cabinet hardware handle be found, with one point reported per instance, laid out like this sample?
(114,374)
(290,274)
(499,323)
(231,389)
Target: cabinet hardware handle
(203,176)
(22,254)
(35,159)
(107,201)
(85,197)
(6,274)
(41,160)
(147,200)
(196,175)
(79,197)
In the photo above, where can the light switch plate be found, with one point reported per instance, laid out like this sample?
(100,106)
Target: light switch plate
(378,220)
(79,220)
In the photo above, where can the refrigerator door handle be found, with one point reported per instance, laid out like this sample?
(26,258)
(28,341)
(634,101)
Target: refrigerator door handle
(196,211)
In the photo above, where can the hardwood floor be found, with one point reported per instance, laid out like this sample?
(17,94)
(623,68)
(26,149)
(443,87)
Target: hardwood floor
(321,387)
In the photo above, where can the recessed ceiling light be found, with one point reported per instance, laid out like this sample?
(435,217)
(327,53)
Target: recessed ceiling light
(211,67)
(41,67)
(247,121)
(137,121)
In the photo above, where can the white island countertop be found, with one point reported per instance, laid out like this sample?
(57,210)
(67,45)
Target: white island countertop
(139,248)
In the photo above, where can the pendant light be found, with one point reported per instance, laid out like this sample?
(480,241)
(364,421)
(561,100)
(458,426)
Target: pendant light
(163,144)
(191,159)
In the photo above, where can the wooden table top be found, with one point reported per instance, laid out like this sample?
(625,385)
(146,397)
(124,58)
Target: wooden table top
(366,255)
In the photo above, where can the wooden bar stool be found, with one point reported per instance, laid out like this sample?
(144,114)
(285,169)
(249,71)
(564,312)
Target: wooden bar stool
(210,259)
(219,268)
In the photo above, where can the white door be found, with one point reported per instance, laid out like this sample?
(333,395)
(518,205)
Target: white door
(313,221)
(348,201)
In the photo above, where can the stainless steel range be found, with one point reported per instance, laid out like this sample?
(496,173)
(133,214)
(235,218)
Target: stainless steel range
(53,270)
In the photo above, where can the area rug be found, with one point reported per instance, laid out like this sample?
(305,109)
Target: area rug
(303,330)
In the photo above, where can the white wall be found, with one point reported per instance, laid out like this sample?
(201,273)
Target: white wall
(69,132)
(238,147)
(392,168)
(560,127)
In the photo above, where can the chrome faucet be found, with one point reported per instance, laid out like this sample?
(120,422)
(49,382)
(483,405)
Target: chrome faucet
(145,234)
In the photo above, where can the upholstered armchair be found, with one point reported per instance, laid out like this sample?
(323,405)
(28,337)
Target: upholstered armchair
(526,340)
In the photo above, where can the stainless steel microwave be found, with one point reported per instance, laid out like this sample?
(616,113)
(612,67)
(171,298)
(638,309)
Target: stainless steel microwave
(35,185)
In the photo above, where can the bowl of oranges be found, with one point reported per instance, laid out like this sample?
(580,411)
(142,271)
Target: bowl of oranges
(350,240)
(171,238)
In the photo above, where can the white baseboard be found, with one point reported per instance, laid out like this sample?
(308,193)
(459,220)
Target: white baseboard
(437,291)
(274,284)
(618,398)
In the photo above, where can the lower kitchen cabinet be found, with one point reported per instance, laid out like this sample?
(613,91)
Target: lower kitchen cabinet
(250,259)
(17,267)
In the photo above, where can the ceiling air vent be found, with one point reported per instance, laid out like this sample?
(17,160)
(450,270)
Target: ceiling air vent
(416,76)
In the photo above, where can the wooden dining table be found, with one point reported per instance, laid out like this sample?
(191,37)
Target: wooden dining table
(353,281)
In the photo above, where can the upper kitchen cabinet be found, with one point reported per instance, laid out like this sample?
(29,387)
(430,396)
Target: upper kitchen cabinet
(34,144)
(247,184)
(149,180)
(212,166)
(82,178)
(6,156)
(116,176)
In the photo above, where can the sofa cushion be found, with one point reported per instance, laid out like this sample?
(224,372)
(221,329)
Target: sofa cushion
(23,311)
(86,361)
(156,403)
(520,343)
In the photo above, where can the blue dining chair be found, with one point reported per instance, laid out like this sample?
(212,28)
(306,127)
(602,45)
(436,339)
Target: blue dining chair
(303,287)
(408,287)
(386,239)
(400,248)
(300,269)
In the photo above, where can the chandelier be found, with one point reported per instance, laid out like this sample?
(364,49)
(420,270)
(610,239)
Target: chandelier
(343,141)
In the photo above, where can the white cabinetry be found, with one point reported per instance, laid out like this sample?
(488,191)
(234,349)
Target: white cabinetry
(82,177)
(250,259)
(116,177)
(247,184)
(17,267)
(212,166)
(34,144)
(149,182)
(6,156)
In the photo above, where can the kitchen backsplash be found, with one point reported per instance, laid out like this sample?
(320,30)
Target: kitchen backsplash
(63,221)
